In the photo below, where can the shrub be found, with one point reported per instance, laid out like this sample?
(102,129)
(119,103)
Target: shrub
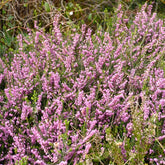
(86,98)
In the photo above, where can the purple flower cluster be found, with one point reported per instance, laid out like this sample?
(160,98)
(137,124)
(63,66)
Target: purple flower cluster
(60,93)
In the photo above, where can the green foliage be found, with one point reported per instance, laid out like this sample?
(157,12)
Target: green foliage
(23,161)
(34,98)
(47,7)
(114,147)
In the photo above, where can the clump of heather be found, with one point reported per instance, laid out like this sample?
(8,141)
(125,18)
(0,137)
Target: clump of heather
(86,98)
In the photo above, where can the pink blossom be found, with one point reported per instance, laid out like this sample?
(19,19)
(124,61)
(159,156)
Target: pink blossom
(63,163)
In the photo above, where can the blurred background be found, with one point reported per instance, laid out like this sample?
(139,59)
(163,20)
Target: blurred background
(16,16)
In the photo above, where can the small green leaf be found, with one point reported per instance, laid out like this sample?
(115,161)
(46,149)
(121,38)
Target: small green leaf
(35,12)
(70,5)
(47,7)
(51,144)
(3,11)
(90,16)
(15,150)
(25,4)
(10,17)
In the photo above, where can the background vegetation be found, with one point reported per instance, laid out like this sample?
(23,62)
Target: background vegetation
(16,16)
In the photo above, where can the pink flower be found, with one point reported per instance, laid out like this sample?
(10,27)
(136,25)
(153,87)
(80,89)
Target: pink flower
(39,162)
(63,163)
(129,128)
(162,102)
(160,138)
(87,148)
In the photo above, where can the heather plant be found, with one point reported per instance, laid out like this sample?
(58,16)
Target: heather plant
(86,98)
